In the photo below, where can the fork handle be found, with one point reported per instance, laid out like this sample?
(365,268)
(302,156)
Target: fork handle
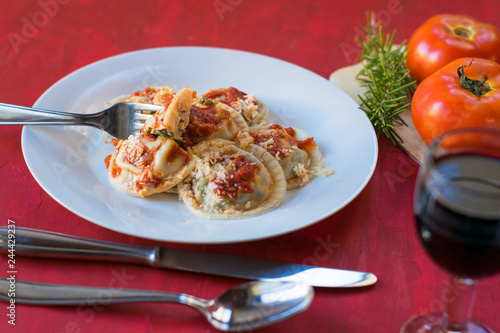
(22,115)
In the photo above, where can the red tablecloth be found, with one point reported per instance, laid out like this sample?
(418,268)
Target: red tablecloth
(42,41)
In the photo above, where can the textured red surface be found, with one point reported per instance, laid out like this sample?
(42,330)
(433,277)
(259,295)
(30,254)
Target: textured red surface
(42,41)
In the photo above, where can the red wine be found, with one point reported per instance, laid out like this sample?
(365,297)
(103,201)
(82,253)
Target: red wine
(459,223)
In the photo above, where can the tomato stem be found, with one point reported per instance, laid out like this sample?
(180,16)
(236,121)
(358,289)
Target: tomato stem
(476,87)
(462,32)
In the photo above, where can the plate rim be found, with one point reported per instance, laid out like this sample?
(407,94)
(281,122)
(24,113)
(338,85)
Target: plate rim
(60,81)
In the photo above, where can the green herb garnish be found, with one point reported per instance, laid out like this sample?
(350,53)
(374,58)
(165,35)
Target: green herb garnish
(387,78)
(207,101)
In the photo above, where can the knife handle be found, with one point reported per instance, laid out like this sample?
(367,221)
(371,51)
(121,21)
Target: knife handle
(42,243)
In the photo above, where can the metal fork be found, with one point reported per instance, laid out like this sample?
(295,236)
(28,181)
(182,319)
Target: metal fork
(119,120)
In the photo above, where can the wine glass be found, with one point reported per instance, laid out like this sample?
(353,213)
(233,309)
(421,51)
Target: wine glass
(457,209)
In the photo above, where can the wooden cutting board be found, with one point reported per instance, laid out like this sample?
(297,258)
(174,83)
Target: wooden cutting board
(345,79)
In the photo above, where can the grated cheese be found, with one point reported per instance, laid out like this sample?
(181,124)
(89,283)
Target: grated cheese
(301,172)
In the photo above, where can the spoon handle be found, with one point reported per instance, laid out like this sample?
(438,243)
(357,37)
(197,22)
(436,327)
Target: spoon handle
(54,294)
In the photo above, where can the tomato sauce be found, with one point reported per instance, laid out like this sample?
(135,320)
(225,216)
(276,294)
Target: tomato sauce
(151,93)
(203,122)
(239,178)
(148,137)
(141,156)
(115,141)
(280,136)
(167,100)
(226,95)
(306,144)
(106,161)
(116,171)
(148,180)
(177,152)
(147,92)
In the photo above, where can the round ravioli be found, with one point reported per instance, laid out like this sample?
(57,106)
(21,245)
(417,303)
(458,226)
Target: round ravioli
(297,153)
(143,165)
(230,182)
(208,120)
(253,111)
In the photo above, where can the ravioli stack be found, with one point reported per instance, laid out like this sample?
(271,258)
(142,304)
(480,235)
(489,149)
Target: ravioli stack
(216,151)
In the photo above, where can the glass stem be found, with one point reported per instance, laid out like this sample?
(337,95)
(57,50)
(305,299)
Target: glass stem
(458,303)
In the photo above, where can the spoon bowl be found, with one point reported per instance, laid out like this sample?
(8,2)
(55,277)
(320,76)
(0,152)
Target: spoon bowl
(243,307)
(256,304)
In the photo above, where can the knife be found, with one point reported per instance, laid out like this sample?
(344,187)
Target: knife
(42,243)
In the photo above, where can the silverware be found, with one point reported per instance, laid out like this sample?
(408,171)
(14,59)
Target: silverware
(243,307)
(119,120)
(50,244)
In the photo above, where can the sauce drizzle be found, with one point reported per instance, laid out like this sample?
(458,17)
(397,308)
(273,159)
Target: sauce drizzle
(239,177)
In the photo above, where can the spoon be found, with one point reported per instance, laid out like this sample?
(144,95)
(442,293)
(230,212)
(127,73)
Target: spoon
(243,307)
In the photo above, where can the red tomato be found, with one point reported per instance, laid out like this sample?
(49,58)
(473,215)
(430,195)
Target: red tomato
(444,38)
(458,96)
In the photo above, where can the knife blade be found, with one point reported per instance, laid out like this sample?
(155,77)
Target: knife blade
(41,243)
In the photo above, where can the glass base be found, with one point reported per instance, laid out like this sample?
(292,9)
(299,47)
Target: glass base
(433,323)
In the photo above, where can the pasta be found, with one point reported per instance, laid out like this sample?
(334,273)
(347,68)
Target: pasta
(143,165)
(208,120)
(216,152)
(171,121)
(253,111)
(297,153)
(229,182)
(151,95)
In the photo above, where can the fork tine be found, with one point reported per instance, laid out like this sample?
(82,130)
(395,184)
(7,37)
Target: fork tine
(129,116)
(145,112)
(143,107)
(142,117)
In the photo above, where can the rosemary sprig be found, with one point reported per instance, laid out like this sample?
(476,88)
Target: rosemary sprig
(387,78)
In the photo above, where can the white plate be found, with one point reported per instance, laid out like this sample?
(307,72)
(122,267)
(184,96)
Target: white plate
(68,162)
